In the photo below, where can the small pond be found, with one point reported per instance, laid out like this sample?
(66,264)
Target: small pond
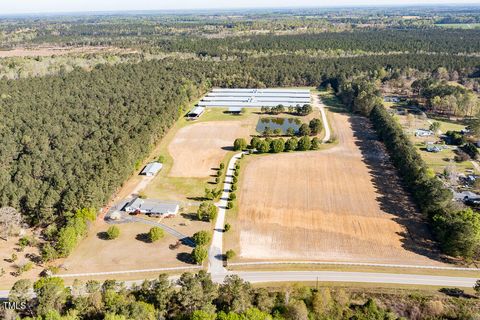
(278,123)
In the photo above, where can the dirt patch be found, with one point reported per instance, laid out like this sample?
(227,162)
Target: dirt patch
(197,149)
(341,204)
(9,267)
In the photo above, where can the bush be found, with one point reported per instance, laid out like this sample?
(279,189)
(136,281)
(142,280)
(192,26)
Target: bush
(291,144)
(161,159)
(229,205)
(227,227)
(230,254)
(232,196)
(207,211)
(315,126)
(254,143)
(239,144)
(455,137)
(263,146)
(234,187)
(235,179)
(222,166)
(277,145)
(199,254)
(304,130)
(155,234)
(315,144)
(217,180)
(113,233)
(304,144)
(471,150)
(202,237)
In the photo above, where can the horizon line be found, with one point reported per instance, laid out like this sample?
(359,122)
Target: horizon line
(241,8)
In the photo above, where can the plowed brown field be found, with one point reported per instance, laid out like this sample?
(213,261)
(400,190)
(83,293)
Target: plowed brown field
(198,148)
(340,204)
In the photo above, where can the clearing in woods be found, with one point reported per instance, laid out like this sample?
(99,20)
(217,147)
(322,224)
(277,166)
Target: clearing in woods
(341,204)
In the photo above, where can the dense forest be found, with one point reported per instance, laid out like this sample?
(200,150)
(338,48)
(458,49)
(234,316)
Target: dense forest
(197,297)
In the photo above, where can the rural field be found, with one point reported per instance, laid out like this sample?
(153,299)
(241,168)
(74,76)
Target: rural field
(199,147)
(341,204)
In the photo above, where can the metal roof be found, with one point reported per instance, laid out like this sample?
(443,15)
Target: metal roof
(151,206)
(247,104)
(152,168)
(197,110)
(258,99)
(260,90)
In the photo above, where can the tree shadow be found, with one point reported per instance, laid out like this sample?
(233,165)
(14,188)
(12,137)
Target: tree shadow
(185,257)
(228,148)
(393,197)
(143,237)
(102,235)
(192,216)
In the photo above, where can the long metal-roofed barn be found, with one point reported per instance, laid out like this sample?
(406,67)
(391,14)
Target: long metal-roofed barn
(241,98)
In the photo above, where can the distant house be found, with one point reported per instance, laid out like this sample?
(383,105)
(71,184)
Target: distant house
(466,196)
(391,99)
(434,148)
(151,169)
(152,207)
(196,112)
(423,133)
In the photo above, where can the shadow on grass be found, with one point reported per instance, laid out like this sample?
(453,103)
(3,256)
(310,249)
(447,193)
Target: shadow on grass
(185,257)
(102,235)
(143,237)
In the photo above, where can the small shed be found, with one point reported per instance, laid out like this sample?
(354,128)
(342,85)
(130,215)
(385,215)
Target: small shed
(196,112)
(235,110)
(151,169)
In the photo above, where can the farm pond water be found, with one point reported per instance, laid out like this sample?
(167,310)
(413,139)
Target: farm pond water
(278,123)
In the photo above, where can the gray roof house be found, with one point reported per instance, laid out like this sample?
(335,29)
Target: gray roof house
(151,169)
(152,207)
(465,195)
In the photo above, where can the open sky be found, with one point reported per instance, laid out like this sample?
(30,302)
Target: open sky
(47,6)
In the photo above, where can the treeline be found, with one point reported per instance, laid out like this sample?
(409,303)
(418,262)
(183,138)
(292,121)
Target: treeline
(457,230)
(420,40)
(197,297)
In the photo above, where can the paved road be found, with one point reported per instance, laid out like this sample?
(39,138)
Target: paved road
(364,277)
(332,276)
(356,264)
(215,254)
(317,102)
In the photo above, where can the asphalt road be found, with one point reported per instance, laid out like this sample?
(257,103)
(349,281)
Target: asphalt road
(334,276)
